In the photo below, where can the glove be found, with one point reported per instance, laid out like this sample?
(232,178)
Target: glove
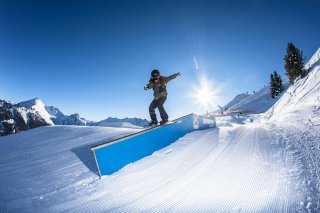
(178,73)
(145,87)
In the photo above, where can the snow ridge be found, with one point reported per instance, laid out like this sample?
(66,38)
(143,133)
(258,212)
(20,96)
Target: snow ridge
(259,102)
(236,100)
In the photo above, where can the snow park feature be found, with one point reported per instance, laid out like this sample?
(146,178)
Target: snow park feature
(114,155)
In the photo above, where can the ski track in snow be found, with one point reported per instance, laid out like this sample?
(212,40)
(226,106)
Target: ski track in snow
(304,159)
(39,164)
(243,168)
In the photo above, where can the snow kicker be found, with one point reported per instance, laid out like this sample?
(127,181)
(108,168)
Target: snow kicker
(113,155)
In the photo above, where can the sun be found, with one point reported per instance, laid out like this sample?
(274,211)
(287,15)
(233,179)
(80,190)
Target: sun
(204,94)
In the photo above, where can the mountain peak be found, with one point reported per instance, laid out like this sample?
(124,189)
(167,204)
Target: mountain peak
(31,103)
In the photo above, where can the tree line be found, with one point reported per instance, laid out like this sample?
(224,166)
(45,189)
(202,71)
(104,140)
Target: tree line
(294,66)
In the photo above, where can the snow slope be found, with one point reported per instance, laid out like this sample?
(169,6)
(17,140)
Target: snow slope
(298,110)
(40,164)
(302,100)
(236,100)
(50,169)
(258,102)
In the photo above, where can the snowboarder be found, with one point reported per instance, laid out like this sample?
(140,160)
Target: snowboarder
(158,83)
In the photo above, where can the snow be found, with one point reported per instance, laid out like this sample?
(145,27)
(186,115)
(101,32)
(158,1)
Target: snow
(37,105)
(39,164)
(119,124)
(299,99)
(124,121)
(259,102)
(53,111)
(314,61)
(11,121)
(250,163)
(24,114)
(236,100)
(50,169)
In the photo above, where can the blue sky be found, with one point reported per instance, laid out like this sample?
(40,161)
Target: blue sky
(94,57)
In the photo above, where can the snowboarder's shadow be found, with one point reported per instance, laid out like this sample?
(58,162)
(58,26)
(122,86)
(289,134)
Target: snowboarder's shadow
(86,156)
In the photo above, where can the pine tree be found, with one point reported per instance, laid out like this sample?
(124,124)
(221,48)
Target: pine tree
(294,62)
(276,85)
(280,86)
(272,86)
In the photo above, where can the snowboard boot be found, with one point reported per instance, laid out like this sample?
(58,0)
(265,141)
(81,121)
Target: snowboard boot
(153,123)
(163,121)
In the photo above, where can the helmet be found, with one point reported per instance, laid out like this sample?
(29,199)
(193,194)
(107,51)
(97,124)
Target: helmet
(155,73)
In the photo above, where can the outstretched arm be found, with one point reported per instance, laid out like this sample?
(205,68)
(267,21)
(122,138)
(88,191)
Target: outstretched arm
(171,77)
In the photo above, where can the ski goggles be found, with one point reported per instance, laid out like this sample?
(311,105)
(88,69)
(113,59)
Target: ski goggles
(155,78)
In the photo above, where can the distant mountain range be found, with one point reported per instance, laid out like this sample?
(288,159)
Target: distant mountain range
(34,113)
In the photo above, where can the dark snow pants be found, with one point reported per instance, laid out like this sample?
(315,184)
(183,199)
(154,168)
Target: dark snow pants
(158,104)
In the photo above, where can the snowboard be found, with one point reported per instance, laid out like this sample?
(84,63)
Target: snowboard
(165,124)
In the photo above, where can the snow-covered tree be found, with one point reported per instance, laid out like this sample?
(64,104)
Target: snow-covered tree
(294,62)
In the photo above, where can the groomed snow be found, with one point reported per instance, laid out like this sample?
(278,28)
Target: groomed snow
(40,164)
(236,167)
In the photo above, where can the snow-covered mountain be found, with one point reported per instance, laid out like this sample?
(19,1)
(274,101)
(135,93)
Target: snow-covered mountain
(34,113)
(118,124)
(60,119)
(74,119)
(23,116)
(38,106)
(122,122)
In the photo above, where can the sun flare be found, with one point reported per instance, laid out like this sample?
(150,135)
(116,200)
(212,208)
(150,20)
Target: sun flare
(205,94)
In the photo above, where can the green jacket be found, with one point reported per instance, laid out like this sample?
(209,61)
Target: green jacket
(159,88)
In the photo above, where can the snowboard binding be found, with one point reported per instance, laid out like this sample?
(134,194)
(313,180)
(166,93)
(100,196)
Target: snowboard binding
(153,123)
